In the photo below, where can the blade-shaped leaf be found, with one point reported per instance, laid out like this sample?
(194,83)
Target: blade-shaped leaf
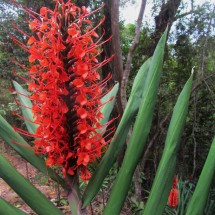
(26,102)
(32,196)
(141,129)
(8,209)
(118,141)
(109,101)
(8,134)
(166,169)
(199,199)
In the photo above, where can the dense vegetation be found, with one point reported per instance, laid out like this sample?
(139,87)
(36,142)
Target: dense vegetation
(190,45)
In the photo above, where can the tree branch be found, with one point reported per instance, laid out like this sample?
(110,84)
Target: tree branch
(199,81)
(153,140)
(127,69)
(185,14)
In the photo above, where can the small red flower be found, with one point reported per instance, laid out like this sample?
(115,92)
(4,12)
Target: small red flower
(173,196)
(66,87)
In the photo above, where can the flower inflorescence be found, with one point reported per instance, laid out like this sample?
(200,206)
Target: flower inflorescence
(173,196)
(66,86)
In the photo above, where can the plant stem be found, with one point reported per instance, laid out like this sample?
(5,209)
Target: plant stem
(74,198)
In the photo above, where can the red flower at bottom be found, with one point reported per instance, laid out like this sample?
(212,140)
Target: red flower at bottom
(173,198)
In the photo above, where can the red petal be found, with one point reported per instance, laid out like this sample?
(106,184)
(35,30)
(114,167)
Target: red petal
(82,128)
(72,31)
(95,34)
(31,40)
(50,162)
(70,171)
(83,159)
(31,58)
(82,113)
(78,82)
(81,100)
(79,52)
(43,10)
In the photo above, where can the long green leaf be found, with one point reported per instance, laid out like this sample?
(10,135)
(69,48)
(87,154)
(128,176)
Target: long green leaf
(141,129)
(8,209)
(26,102)
(198,201)
(120,136)
(164,176)
(32,196)
(8,134)
(109,101)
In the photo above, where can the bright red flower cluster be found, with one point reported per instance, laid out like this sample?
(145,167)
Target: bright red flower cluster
(173,196)
(66,86)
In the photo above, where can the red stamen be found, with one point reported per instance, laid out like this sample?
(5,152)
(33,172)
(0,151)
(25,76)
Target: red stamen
(25,133)
(24,79)
(23,145)
(25,119)
(14,91)
(20,104)
(16,27)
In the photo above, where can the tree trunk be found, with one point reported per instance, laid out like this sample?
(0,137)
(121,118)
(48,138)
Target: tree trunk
(116,48)
(165,17)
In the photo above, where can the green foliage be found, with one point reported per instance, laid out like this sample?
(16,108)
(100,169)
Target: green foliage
(191,44)
(200,196)
(26,107)
(109,101)
(185,189)
(26,190)
(166,169)
(5,110)
(137,206)
(41,179)
(6,208)
(140,132)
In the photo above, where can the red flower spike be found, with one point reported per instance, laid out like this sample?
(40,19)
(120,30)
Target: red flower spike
(65,85)
(173,196)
